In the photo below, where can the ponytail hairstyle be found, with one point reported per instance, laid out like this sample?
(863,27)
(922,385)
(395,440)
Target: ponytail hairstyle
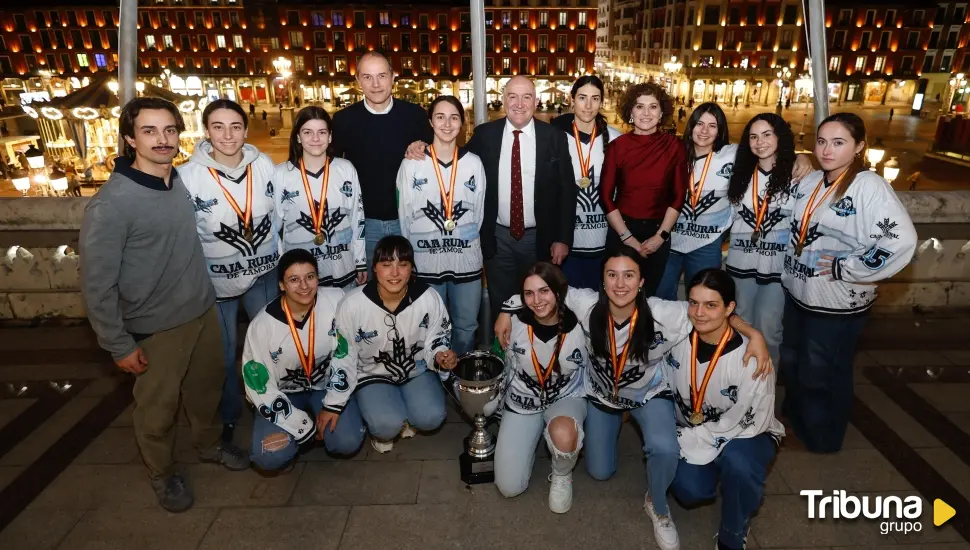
(556,280)
(642,337)
(602,128)
(779,182)
(717,280)
(857,129)
(721,140)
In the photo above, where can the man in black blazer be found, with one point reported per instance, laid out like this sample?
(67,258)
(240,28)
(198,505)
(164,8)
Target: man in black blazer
(548,204)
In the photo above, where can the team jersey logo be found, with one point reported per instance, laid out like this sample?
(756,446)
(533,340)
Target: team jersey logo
(269,189)
(417,183)
(365,337)
(703,205)
(235,239)
(296,379)
(726,171)
(811,236)
(347,189)
(424,321)
(731,392)
(437,215)
(748,419)
(658,340)
(674,364)
(470,184)
(575,357)
(515,348)
(844,207)
(275,355)
(331,221)
(886,226)
(288,196)
(773,218)
(400,361)
(203,205)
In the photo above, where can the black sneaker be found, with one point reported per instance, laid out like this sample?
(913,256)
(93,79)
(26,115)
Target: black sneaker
(227,432)
(227,454)
(173,493)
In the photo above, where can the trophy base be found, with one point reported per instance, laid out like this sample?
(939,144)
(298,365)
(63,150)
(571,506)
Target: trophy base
(475,471)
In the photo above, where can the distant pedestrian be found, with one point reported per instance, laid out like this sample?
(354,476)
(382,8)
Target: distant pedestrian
(252,110)
(281,110)
(297,100)
(681,113)
(264,115)
(891,113)
(736,101)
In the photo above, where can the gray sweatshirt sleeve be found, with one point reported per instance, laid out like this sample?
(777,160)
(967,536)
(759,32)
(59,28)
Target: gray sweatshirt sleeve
(102,243)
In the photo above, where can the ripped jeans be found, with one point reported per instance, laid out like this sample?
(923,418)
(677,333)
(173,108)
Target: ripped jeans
(518,435)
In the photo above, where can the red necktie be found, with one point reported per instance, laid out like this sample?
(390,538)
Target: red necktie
(516,213)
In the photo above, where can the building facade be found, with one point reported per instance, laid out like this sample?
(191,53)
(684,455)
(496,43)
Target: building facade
(269,51)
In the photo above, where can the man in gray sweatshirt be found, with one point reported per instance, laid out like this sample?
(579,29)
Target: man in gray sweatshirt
(150,300)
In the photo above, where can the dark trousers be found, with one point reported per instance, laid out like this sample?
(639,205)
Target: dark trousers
(741,469)
(584,272)
(505,270)
(651,267)
(817,352)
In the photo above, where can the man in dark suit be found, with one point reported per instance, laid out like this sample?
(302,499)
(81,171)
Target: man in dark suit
(530,195)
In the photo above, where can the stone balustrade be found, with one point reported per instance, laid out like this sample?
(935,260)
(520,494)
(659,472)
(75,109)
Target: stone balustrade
(39,270)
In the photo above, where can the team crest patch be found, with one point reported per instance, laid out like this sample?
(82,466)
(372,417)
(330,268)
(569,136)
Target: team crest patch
(347,189)
(417,182)
(269,189)
(203,205)
(731,392)
(275,355)
(726,170)
(575,357)
(342,347)
(288,196)
(365,337)
(470,184)
(658,340)
(844,207)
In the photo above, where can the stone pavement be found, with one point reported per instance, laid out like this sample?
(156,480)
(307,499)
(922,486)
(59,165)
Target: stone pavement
(71,477)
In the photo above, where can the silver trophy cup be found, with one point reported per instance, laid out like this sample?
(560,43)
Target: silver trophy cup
(478,378)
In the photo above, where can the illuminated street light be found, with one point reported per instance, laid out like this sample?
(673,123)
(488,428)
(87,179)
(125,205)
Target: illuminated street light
(890,171)
(875,156)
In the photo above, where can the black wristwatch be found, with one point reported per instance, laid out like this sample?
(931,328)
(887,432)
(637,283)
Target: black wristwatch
(665,235)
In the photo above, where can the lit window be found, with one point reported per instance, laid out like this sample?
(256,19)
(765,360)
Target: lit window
(150,41)
(220,41)
(167,41)
(237,41)
(100,60)
(835,62)
(562,18)
(82,60)
(880,64)
(582,19)
(860,63)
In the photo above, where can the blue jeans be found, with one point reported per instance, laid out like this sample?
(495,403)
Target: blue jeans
(374,231)
(764,307)
(583,272)
(518,434)
(463,301)
(263,291)
(345,439)
(742,468)
(385,407)
(817,352)
(659,429)
(705,257)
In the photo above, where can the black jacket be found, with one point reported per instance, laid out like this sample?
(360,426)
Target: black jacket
(555,188)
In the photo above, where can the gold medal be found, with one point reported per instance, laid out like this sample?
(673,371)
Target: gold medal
(810,209)
(584,162)
(543,374)
(245,216)
(697,394)
(619,361)
(584,182)
(316,213)
(450,225)
(248,234)
(799,249)
(318,239)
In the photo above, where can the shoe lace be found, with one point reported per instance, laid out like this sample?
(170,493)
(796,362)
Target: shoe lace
(561,481)
(664,522)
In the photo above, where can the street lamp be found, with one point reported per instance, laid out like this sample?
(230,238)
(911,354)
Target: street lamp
(875,156)
(890,171)
(782,75)
(21,180)
(282,66)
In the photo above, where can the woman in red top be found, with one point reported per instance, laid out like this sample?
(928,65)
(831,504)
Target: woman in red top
(644,182)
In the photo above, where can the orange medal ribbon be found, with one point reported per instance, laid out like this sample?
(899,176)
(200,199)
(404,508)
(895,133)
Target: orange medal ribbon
(584,162)
(447,198)
(759,209)
(698,186)
(316,215)
(245,216)
(810,209)
(697,395)
(620,362)
(543,374)
(306,359)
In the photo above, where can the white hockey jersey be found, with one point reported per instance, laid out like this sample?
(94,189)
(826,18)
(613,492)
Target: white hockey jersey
(524,394)
(711,217)
(762,260)
(639,381)
(377,346)
(234,263)
(869,233)
(734,406)
(589,237)
(272,368)
(342,253)
(440,255)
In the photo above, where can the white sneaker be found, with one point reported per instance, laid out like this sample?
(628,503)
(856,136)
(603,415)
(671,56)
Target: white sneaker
(407,432)
(664,529)
(382,446)
(561,493)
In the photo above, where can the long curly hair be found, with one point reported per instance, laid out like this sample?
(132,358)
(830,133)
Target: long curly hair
(635,91)
(779,182)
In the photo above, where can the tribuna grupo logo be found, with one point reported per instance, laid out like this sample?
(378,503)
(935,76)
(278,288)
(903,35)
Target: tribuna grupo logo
(896,514)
